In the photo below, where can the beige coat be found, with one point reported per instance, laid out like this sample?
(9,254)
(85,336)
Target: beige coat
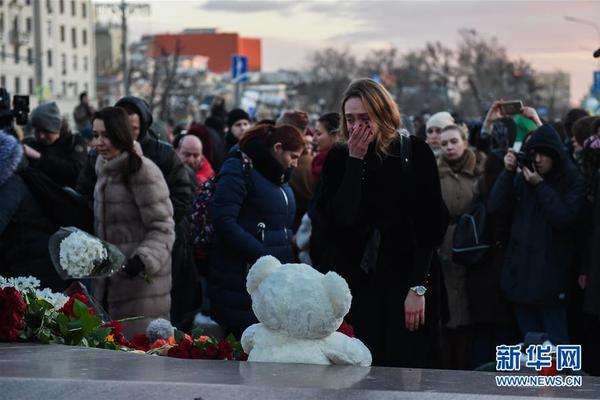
(458,191)
(138,219)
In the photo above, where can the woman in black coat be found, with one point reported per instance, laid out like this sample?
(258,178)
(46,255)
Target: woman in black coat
(383,221)
(24,230)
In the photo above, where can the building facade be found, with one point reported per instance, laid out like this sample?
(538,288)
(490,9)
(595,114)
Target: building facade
(47,50)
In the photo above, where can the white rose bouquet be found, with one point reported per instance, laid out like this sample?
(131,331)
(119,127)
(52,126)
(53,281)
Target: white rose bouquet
(77,254)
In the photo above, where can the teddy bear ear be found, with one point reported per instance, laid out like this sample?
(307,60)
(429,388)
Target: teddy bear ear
(338,292)
(262,268)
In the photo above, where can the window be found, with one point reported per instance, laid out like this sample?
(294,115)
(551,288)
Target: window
(17,50)
(84,37)
(86,87)
(51,86)
(74,37)
(61,6)
(49,28)
(64,88)
(75,62)
(1,22)
(49,57)
(2,81)
(63,63)
(84,10)
(28,2)
(62,33)
(85,63)
(75,90)
(73,8)
(28,24)
(30,82)
(29,56)
(17,85)
(49,6)
(3,53)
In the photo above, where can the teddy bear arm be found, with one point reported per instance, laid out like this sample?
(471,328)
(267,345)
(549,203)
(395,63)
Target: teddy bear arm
(343,350)
(247,340)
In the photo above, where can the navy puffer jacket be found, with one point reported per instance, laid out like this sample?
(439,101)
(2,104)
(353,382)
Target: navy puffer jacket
(540,250)
(252,211)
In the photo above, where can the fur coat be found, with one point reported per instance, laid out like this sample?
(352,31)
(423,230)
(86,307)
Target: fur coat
(138,218)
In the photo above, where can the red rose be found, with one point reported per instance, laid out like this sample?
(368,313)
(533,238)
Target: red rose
(177,352)
(225,350)
(140,342)
(243,357)
(12,314)
(186,343)
(346,329)
(115,326)
(67,309)
(211,351)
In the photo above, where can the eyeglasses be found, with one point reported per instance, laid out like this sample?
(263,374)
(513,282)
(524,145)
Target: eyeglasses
(434,129)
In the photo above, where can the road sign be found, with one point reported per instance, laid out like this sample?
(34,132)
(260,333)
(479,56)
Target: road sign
(596,87)
(239,68)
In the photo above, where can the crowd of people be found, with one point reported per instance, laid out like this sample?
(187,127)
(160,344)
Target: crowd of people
(351,191)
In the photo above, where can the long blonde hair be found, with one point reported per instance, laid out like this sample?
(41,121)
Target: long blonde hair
(381,109)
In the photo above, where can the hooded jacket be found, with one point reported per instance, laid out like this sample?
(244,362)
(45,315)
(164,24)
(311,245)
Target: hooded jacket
(161,153)
(540,250)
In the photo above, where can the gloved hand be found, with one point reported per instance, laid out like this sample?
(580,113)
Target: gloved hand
(134,266)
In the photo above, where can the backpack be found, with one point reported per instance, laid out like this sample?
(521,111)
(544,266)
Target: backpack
(202,228)
(62,206)
(471,243)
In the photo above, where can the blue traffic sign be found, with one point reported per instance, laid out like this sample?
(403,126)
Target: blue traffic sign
(239,67)
(596,87)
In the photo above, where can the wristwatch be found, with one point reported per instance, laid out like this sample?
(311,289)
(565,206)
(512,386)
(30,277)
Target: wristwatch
(419,290)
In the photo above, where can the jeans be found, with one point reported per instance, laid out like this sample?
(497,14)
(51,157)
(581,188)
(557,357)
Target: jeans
(551,320)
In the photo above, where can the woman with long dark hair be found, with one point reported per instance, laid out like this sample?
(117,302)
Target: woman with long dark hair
(252,212)
(383,217)
(132,210)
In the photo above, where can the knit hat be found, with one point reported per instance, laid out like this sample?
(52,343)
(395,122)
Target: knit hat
(440,120)
(47,117)
(11,153)
(235,115)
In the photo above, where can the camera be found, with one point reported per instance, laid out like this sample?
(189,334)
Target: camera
(18,114)
(524,160)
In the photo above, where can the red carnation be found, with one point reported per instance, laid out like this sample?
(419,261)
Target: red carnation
(346,329)
(12,314)
(115,326)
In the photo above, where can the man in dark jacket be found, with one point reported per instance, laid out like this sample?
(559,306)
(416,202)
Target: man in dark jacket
(180,188)
(545,199)
(61,157)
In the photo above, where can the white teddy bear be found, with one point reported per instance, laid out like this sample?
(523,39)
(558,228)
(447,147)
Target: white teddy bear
(299,310)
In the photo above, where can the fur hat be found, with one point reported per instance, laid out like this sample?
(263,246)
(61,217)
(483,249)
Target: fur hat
(235,115)
(11,153)
(47,117)
(440,120)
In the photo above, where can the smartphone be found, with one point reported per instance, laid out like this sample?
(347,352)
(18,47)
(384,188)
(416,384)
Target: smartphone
(511,107)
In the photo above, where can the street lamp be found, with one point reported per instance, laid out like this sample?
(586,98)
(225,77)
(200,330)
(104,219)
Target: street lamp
(585,22)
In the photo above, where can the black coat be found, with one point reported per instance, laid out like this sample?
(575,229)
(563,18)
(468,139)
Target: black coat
(24,235)
(539,254)
(63,160)
(360,195)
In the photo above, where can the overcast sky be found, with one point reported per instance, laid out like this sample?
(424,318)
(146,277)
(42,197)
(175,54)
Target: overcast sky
(290,30)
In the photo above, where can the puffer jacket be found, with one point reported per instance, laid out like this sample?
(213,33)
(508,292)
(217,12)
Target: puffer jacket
(540,250)
(252,212)
(137,217)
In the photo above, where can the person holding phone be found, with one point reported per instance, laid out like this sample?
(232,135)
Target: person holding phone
(383,221)
(544,200)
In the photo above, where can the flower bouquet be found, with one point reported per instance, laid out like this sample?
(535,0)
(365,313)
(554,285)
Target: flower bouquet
(76,254)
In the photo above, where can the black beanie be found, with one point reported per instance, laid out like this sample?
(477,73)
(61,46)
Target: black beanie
(235,115)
